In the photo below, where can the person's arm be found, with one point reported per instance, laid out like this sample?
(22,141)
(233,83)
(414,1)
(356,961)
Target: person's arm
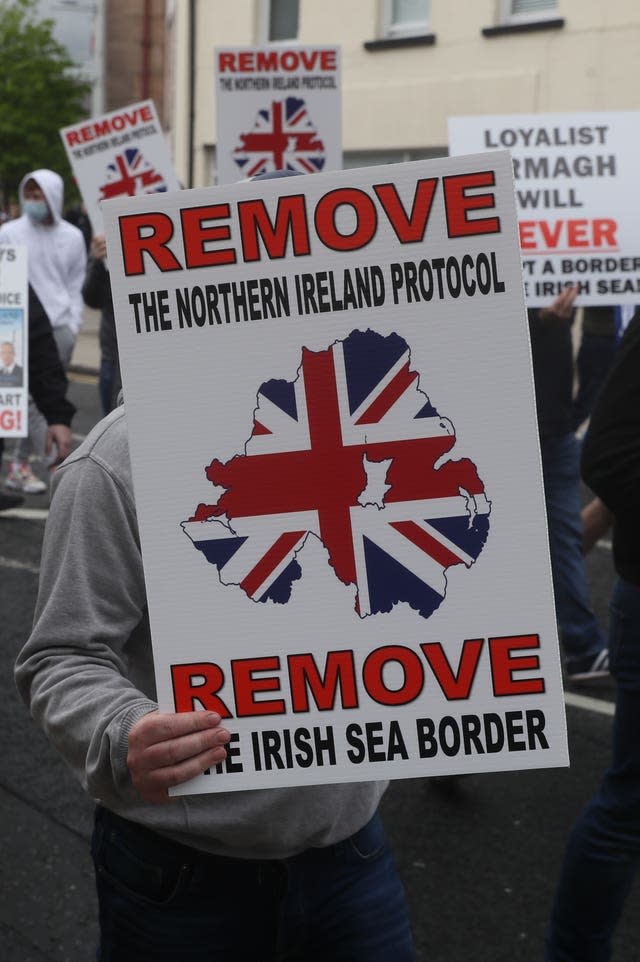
(71,672)
(611,447)
(57,444)
(48,383)
(596,521)
(90,633)
(562,307)
(95,289)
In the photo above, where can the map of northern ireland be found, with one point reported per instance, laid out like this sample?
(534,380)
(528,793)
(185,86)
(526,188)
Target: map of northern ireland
(353,452)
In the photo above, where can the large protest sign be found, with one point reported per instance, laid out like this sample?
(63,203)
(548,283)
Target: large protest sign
(14,342)
(575,177)
(330,405)
(277,108)
(122,153)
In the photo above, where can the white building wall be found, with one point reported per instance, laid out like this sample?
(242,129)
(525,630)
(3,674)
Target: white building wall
(396,100)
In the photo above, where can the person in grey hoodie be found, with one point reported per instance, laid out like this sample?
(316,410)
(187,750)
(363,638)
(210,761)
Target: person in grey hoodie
(56,265)
(296,873)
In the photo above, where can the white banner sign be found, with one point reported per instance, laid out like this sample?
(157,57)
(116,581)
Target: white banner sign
(277,108)
(334,446)
(14,341)
(123,153)
(576,183)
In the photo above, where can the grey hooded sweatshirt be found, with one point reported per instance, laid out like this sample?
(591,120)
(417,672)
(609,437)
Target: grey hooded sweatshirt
(86,673)
(57,255)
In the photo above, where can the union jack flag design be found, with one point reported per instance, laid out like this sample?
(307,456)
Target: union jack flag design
(129,173)
(283,137)
(308,468)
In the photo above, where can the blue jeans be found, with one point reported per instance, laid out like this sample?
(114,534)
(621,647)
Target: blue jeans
(164,902)
(109,384)
(580,634)
(604,845)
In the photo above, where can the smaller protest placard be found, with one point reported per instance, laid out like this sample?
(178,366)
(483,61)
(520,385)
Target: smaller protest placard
(277,108)
(122,153)
(14,342)
(574,177)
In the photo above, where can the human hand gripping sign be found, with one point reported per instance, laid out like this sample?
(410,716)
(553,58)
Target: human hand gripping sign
(563,304)
(167,749)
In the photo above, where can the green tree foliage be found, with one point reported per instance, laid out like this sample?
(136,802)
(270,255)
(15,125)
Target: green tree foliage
(39,94)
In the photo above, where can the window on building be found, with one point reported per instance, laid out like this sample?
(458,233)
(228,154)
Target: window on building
(281,19)
(371,158)
(518,11)
(402,18)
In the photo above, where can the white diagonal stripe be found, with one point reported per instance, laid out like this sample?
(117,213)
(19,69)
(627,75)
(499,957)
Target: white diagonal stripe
(19,565)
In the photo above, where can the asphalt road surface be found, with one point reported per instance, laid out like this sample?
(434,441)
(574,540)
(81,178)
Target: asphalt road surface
(479,855)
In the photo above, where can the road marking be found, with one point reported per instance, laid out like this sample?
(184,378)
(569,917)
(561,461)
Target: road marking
(589,704)
(604,543)
(27,514)
(19,565)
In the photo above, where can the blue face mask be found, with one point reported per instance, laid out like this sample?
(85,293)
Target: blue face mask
(36,209)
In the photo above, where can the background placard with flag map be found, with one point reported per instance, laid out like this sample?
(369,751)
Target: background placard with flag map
(120,154)
(329,396)
(277,108)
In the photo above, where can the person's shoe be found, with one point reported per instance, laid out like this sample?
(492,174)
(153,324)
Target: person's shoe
(9,501)
(21,478)
(584,671)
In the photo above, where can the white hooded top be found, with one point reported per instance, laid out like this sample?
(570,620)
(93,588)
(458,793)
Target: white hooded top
(57,256)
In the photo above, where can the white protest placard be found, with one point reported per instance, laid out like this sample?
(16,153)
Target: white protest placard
(277,108)
(330,405)
(122,153)
(14,341)
(576,180)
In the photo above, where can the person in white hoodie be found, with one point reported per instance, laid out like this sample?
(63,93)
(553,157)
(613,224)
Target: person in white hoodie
(56,268)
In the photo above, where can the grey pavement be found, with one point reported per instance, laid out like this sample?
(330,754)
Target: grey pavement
(86,353)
